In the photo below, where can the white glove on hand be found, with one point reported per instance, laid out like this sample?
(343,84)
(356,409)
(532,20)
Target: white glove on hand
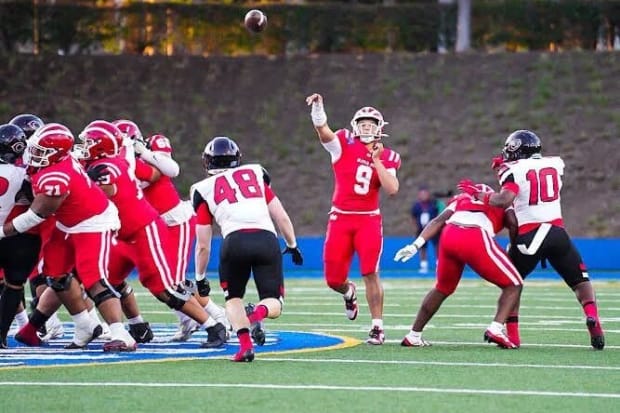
(406,253)
(139,147)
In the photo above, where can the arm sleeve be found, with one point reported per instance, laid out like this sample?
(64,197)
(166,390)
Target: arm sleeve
(144,171)
(269,194)
(508,182)
(203,215)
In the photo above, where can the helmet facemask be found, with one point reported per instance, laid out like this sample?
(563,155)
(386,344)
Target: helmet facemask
(37,155)
(367,125)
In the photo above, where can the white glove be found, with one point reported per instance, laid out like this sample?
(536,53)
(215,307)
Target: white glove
(139,147)
(408,251)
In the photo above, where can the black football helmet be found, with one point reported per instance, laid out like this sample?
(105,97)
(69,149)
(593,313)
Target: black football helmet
(521,144)
(12,143)
(27,122)
(221,153)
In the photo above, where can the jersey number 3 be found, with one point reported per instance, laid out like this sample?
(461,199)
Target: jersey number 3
(244,179)
(544,185)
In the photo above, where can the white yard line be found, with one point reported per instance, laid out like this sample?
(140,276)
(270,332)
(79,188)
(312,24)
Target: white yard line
(491,392)
(443,363)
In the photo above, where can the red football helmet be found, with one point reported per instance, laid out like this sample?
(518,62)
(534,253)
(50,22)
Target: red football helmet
(129,129)
(159,143)
(368,133)
(50,144)
(99,141)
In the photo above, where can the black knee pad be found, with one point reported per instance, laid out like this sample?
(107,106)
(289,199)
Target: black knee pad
(177,299)
(36,281)
(104,295)
(124,289)
(59,284)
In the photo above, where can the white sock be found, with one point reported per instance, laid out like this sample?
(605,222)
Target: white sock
(214,310)
(496,327)
(135,320)
(349,294)
(117,329)
(424,264)
(82,320)
(209,323)
(94,315)
(21,318)
(377,322)
(416,335)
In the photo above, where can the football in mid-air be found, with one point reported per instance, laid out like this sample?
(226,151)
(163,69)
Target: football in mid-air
(255,21)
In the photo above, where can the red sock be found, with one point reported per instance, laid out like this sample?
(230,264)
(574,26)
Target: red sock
(259,314)
(512,328)
(590,310)
(244,339)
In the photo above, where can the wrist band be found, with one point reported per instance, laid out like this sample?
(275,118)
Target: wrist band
(419,242)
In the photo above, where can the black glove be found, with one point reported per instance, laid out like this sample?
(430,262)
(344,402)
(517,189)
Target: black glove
(98,172)
(296,256)
(204,288)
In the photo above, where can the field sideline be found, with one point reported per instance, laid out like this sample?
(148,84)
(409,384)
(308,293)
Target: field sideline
(555,370)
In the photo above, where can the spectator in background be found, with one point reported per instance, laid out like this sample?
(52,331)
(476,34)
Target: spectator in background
(422,212)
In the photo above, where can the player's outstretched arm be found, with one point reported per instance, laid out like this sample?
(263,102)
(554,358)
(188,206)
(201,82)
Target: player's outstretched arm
(319,118)
(429,231)
(160,160)
(42,207)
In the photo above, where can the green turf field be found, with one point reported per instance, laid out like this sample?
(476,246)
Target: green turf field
(554,371)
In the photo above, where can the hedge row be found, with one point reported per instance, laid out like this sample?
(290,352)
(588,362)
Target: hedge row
(336,27)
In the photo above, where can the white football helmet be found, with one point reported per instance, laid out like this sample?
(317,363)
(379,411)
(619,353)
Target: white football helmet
(372,132)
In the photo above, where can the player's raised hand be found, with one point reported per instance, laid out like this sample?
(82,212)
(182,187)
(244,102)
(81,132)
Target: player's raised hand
(497,161)
(467,186)
(406,253)
(315,97)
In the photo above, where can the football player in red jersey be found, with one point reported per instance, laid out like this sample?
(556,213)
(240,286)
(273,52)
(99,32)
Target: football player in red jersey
(361,167)
(155,168)
(142,239)
(533,183)
(85,220)
(468,227)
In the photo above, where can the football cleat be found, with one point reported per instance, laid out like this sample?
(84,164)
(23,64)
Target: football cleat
(376,336)
(413,342)
(141,332)
(3,344)
(82,337)
(216,336)
(53,330)
(257,330)
(350,305)
(244,356)
(117,346)
(597,338)
(499,338)
(186,328)
(28,335)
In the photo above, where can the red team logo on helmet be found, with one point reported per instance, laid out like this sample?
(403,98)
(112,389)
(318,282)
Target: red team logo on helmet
(374,132)
(50,144)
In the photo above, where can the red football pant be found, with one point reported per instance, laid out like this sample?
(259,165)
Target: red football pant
(145,250)
(182,236)
(87,252)
(348,234)
(473,246)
